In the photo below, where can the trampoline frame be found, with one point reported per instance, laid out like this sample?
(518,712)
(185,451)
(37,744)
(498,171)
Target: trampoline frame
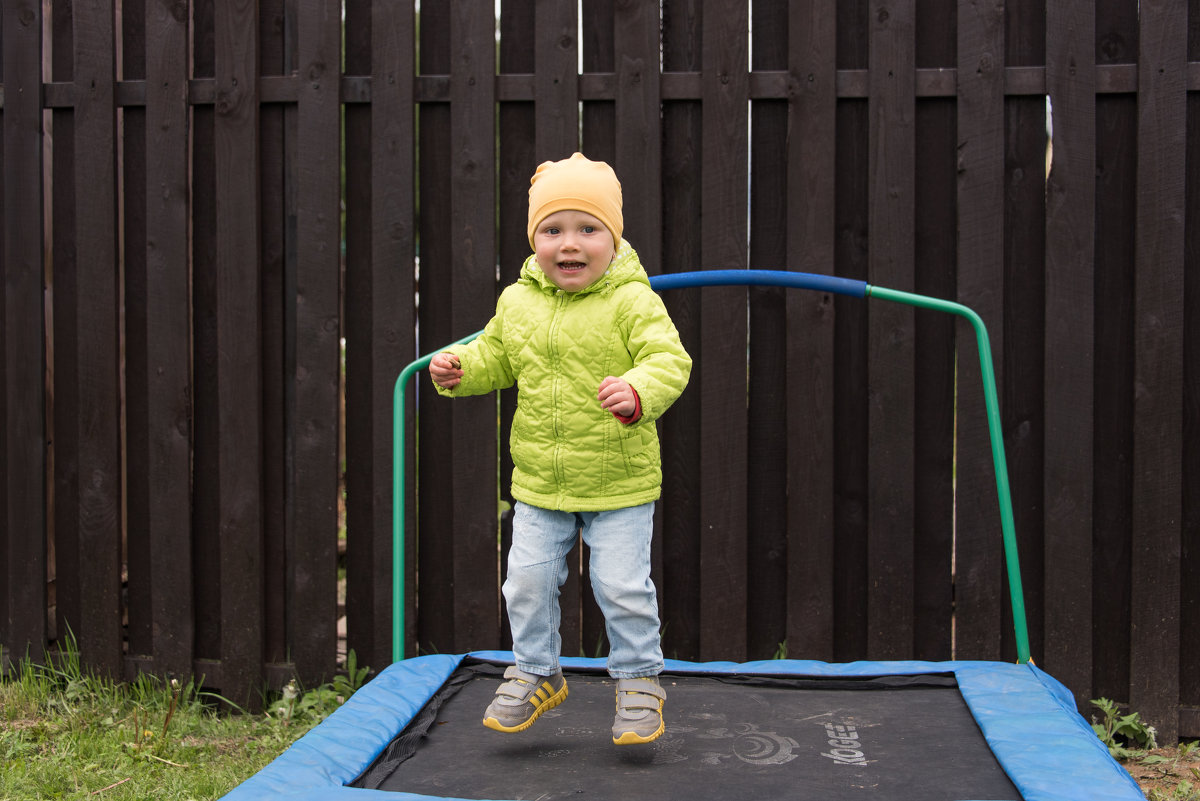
(1023,713)
(782,278)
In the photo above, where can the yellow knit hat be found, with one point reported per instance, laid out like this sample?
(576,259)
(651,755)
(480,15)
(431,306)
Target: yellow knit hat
(576,184)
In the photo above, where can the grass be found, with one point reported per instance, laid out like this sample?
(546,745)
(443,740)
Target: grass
(65,734)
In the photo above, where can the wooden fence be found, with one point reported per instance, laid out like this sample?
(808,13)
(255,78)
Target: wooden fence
(200,205)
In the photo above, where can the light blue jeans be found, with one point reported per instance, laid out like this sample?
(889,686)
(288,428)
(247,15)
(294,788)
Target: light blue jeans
(620,571)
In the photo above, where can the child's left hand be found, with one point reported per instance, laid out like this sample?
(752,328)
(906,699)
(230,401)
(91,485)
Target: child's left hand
(617,396)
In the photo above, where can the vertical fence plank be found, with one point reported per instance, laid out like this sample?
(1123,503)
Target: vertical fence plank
(1021,351)
(473,253)
(1189,633)
(852,158)
(436,417)
(167,375)
(239,359)
(23,441)
(980,286)
(1114,249)
(277,277)
(811,186)
(205,526)
(680,586)
(723,339)
(133,200)
(936,259)
(891,88)
(98,469)
(63,527)
(766,485)
(380,314)
(1158,395)
(1070,377)
(312,585)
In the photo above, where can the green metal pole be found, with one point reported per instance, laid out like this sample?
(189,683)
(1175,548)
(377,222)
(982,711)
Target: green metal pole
(1008,529)
(399,496)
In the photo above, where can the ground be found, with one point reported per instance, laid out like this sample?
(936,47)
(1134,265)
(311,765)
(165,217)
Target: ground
(1167,774)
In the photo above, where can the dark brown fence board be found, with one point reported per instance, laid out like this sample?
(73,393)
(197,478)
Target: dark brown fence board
(980,112)
(167,390)
(980,287)
(63,528)
(473,438)
(517,123)
(935,263)
(277,268)
(312,590)
(24,442)
(139,632)
(1070,311)
(205,550)
(436,419)
(1158,310)
(723,416)
(238,369)
(679,589)
(810,247)
(766,483)
(1189,577)
(891,332)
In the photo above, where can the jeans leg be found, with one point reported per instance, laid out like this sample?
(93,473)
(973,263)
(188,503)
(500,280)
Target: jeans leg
(537,568)
(620,573)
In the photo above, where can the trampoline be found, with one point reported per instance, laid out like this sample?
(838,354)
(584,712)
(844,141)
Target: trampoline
(777,729)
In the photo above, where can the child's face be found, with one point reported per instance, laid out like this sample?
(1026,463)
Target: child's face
(573,249)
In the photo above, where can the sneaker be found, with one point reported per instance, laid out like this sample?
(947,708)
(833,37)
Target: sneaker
(639,711)
(520,700)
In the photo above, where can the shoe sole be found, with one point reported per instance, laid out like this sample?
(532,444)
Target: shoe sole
(549,703)
(633,738)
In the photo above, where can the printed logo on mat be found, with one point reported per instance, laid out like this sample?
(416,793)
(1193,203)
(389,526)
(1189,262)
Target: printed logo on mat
(846,747)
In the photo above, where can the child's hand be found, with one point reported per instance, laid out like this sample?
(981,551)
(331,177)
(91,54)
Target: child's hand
(445,370)
(617,397)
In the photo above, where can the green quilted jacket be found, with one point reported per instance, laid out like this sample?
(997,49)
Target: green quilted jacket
(568,453)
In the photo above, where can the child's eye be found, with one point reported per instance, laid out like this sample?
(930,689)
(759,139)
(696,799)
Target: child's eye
(589,229)
(551,231)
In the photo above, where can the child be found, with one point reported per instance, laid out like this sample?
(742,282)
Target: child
(597,360)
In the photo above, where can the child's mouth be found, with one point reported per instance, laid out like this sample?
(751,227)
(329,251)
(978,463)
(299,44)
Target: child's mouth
(571,266)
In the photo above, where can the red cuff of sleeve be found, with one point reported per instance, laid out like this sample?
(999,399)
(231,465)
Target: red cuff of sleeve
(637,411)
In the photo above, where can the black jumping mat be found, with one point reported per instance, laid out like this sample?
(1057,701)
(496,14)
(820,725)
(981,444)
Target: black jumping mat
(727,737)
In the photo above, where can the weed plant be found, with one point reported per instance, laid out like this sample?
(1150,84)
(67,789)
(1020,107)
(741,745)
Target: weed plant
(65,733)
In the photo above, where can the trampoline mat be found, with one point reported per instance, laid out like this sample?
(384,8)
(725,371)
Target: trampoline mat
(727,736)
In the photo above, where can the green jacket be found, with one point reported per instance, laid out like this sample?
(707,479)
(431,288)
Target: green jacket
(568,453)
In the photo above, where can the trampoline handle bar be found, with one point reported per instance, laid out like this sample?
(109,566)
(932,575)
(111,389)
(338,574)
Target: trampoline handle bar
(781,278)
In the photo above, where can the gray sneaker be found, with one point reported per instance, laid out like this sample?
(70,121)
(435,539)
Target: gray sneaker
(520,700)
(639,711)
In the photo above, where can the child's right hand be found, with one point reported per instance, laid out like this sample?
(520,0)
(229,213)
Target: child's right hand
(445,370)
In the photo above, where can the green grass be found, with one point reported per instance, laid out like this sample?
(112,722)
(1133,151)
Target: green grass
(65,734)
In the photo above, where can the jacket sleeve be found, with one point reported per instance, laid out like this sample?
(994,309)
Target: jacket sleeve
(483,360)
(661,366)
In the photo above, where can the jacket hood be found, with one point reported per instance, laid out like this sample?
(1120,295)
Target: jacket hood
(625,267)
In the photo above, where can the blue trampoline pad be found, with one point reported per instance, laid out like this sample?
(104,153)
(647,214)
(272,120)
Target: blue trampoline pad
(952,731)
